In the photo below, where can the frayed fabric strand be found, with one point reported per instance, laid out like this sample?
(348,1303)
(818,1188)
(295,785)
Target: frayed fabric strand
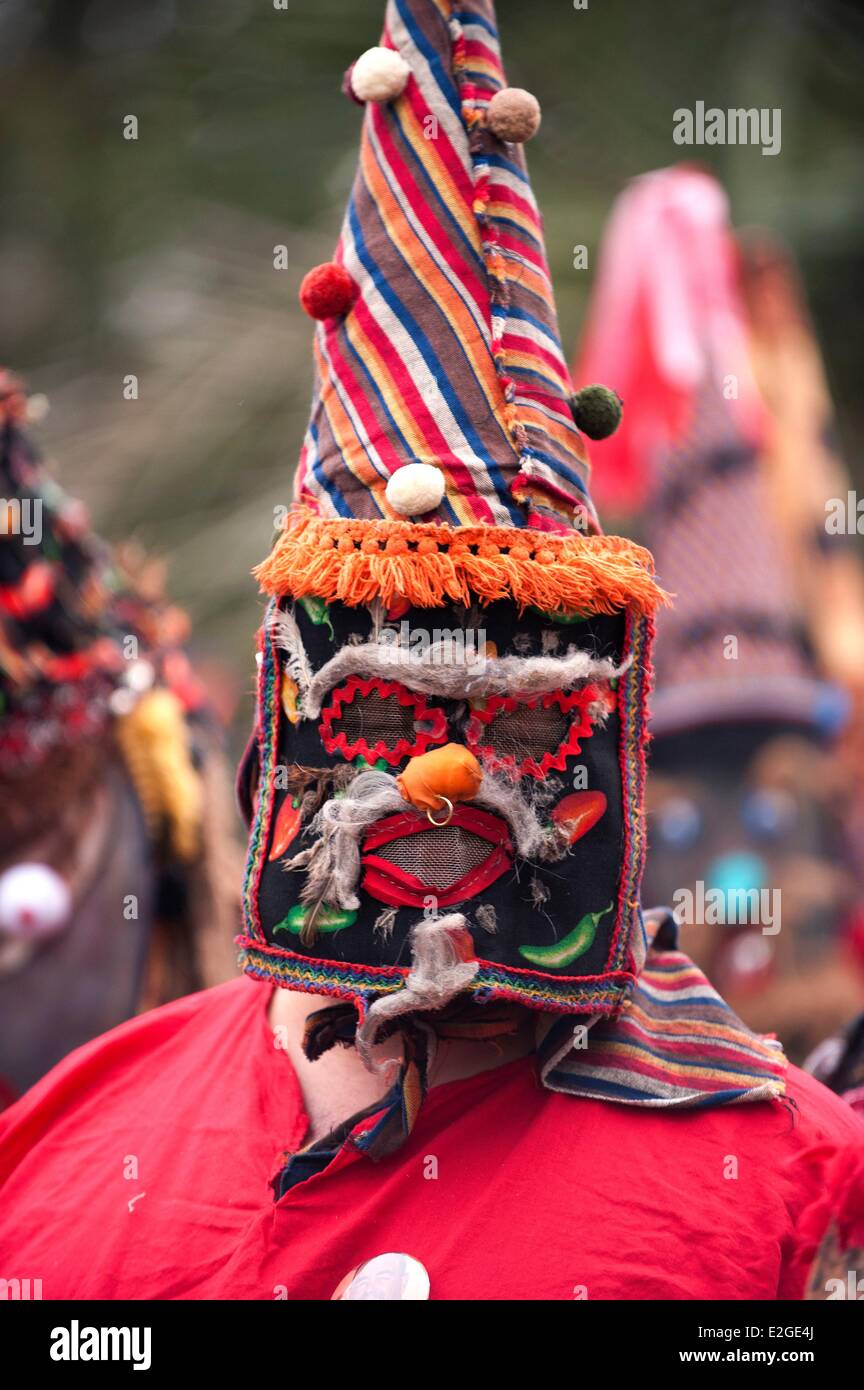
(356,562)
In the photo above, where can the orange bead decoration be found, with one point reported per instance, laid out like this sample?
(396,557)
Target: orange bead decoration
(451,773)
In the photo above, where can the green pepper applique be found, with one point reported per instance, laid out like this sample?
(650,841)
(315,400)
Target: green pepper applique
(329,919)
(564,618)
(318,612)
(570,947)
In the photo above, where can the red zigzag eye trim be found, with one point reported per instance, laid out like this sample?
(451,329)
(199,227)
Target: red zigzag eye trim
(556,758)
(336,740)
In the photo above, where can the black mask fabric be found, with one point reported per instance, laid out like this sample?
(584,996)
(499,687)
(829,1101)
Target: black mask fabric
(544,861)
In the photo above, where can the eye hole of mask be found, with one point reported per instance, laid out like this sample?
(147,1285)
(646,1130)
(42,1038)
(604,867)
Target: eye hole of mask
(375,719)
(526,737)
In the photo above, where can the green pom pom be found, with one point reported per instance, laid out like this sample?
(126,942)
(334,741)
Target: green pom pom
(597,411)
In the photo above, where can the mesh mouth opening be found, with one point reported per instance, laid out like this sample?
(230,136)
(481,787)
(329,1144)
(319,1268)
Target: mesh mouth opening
(439,856)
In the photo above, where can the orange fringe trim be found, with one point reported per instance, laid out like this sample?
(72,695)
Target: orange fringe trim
(356,561)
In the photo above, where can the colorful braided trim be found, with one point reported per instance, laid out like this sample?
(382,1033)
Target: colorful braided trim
(428,564)
(627,949)
(361,984)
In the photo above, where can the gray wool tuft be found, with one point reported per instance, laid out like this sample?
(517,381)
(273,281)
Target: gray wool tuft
(444,671)
(438,973)
(487,917)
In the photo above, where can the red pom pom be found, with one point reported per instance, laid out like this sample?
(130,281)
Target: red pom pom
(347,89)
(327,291)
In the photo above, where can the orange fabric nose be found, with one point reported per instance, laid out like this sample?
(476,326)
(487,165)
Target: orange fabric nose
(452,772)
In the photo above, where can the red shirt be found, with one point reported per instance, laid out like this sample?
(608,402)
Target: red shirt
(503,1190)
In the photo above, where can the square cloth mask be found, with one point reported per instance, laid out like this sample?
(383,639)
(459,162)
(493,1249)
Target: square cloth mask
(544,860)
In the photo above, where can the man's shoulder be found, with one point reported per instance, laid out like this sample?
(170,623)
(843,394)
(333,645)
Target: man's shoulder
(807,1114)
(821,1113)
(122,1059)
(155,1027)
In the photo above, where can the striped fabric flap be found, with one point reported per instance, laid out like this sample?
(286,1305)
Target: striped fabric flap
(674,1043)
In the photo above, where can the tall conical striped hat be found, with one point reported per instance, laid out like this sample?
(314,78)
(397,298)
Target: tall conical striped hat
(443,457)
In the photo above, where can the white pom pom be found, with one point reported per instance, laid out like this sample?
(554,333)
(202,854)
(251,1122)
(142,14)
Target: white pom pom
(416,488)
(379,74)
(34,901)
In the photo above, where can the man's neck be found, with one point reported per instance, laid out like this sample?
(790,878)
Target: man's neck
(338,1084)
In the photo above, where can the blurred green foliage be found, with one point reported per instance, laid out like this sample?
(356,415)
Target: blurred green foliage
(155,256)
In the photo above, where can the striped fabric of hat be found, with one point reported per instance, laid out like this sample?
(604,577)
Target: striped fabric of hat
(442,459)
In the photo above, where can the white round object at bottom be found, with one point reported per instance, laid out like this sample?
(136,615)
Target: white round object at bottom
(390,1278)
(34,901)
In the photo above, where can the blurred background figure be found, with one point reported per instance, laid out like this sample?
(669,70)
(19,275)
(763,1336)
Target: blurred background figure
(811,494)
(830,1228)
(838,1062)
(724,466)
(119,872)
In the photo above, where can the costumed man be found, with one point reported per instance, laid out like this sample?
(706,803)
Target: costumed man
(722,464)
(459,1047)
(115,807)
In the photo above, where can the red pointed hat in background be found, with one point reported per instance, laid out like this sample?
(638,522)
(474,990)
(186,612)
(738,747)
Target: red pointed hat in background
(668,327)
